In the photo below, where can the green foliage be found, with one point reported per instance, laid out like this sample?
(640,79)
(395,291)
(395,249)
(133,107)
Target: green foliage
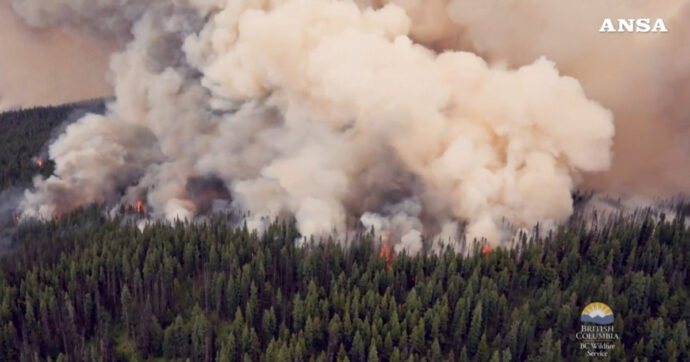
(210,291)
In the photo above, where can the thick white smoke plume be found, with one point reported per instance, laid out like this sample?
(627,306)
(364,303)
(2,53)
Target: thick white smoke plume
(343,114)
(643,78)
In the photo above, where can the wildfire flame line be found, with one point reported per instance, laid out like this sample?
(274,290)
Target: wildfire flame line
(387,252)
(486,250)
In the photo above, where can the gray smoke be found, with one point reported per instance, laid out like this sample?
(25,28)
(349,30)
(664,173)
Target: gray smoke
(343,114)
(643,78)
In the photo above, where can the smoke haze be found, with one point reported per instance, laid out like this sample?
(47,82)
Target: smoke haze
(411,119)
(643,78)
(48,66)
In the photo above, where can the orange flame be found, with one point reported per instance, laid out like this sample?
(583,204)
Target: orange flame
(140,207)
(17,217)
(486,250)
(39,162)
(387,252)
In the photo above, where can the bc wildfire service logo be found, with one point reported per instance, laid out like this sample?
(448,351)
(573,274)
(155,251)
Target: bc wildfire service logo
(597,313)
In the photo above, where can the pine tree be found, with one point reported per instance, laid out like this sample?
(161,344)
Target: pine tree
(334,334)
(395,356)
(548,351)
(357,350)
(156,337)
(418,337)
(169,343)
(388,346)
(342,355)
(506,356)
(436,353)
(373,354)
(476,328)
(127,310)
(269,324)
(482,350)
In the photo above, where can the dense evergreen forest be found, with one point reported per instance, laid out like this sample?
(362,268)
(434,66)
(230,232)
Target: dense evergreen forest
(88,288)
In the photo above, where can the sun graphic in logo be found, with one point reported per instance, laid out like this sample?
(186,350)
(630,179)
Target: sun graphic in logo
(598,313)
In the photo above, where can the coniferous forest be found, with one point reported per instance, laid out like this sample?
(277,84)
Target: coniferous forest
(90,288)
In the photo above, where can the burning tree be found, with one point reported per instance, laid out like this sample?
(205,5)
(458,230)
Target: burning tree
(486,250)
(387,252)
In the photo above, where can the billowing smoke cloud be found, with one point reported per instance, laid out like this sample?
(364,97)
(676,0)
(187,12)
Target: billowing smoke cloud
(344,115)
(644,78)
(48,66)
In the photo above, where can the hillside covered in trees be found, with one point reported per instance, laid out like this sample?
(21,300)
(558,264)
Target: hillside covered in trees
(88,288)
